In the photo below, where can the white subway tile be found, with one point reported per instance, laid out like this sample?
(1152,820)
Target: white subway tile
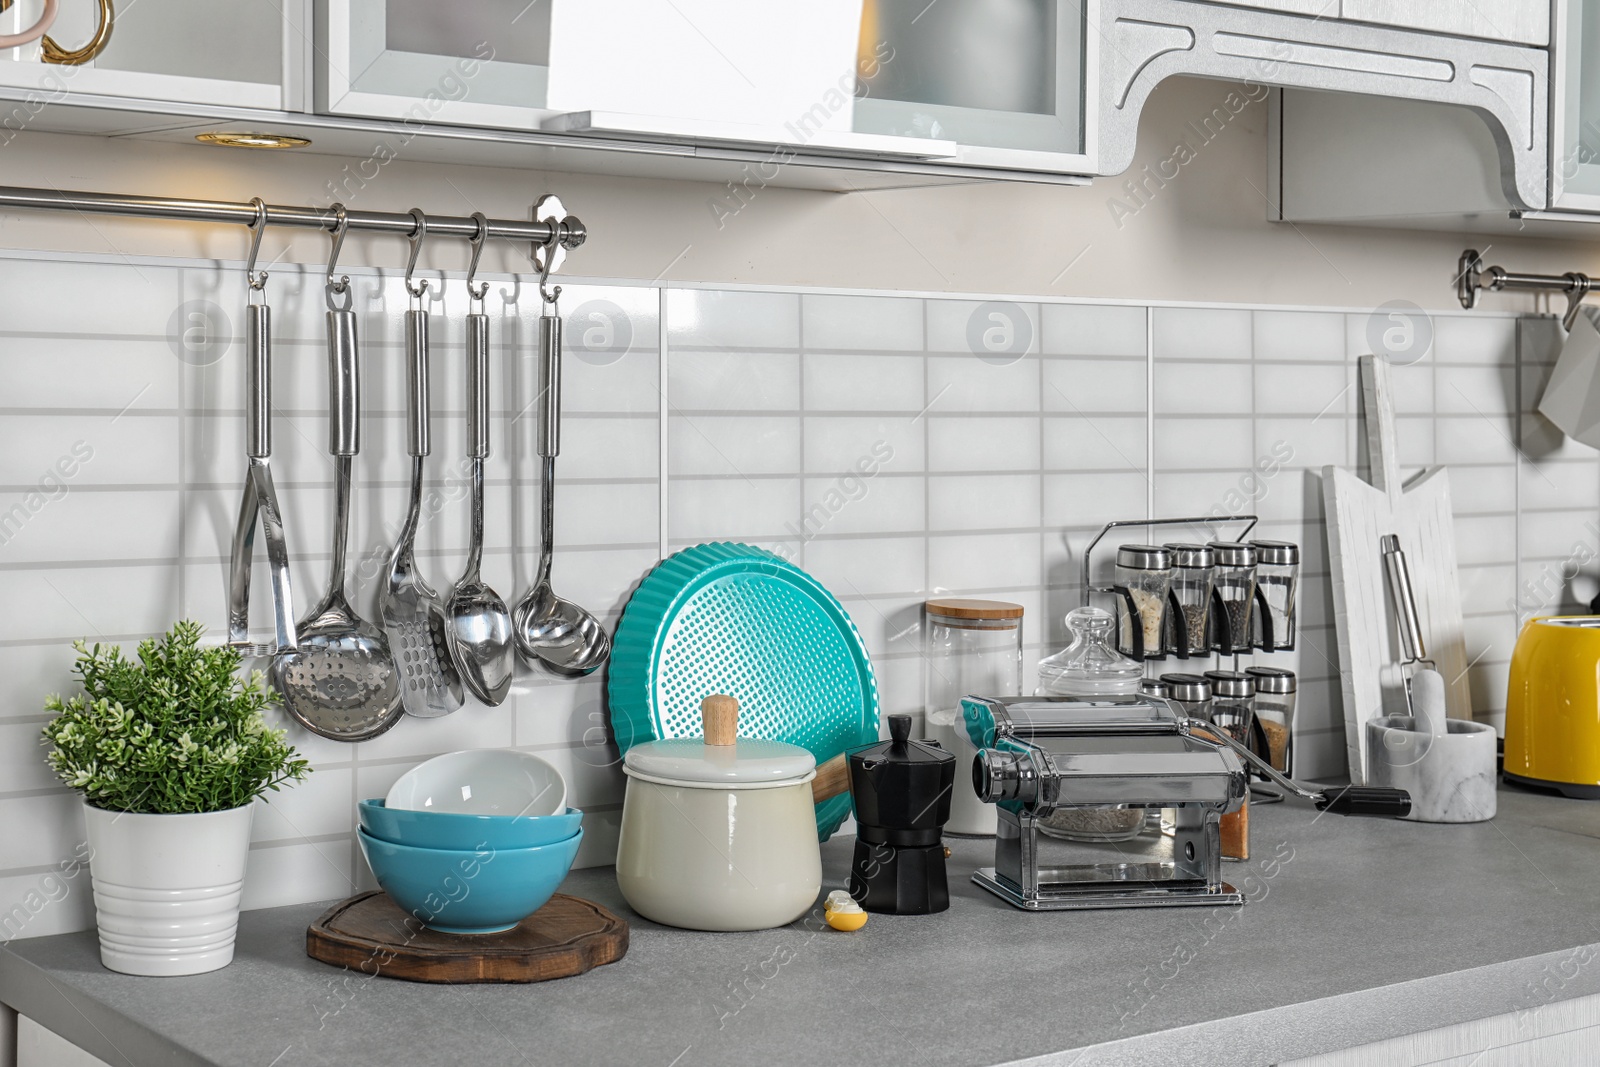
(1411,388)
(41,830)
(50,901)
(966,383)
(67,602)
(88,525)
(601,579)
(1481,490)
(292,874)
(1489,639)
(1203,389)
(1472,439)
(888,625)
(320,805)
(868,566)
(29,673)
(604,515)
(900,686)
(108,375)
(976,502)
(720,509)
(608,448)
(1093,330)
(126,299)
(1311,390)
(1000,443)
(1095,386)
(1491,588)
(1202,333)
(996,331)
(864,444)
(1559,534)
(975,563)
(861,323)
(1198,444)
(733,381)
(22,754)
(1559,485)
(557,712)
(474,726)
(862,383)
(88,450)
(1474,339)
(1489,391)
(741,445)
(592,780)
(1093,499)
(709,318)
(1113,443)
(845,505)
(1301,335)
(1304,444)
(1486,540)
(1204,493)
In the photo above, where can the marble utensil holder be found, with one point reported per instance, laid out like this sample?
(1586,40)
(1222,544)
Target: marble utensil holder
(1450,778)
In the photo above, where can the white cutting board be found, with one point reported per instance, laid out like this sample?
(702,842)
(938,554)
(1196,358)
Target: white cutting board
(1420,515)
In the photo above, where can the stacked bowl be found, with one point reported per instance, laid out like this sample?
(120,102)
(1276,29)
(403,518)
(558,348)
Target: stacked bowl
(472,842)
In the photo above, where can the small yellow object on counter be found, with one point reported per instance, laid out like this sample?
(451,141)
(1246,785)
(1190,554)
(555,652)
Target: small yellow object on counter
(842,912)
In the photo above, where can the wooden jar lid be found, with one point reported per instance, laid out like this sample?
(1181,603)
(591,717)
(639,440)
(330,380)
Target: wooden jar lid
(977,610)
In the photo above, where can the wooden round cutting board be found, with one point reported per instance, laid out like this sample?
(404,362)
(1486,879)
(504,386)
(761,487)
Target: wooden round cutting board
(372,934)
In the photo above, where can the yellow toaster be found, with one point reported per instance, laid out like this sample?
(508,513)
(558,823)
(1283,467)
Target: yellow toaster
(1553,706)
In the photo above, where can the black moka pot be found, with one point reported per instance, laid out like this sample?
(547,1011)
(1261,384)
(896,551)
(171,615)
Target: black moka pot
(901,792)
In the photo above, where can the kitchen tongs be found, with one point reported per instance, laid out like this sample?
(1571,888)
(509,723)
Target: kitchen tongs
(1341,800)
(259,504)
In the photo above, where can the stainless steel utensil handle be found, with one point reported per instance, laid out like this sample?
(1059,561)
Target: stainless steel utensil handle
(477,386)
(344,385)
(549,386)
(1405,601)
(258,381)
(418,443)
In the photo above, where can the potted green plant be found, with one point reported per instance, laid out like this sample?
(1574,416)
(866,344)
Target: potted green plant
(169,751)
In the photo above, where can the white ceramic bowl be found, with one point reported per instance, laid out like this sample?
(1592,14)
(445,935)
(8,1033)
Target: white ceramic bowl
(489,781)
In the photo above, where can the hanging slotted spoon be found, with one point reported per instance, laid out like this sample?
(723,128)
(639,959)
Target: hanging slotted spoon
(413,617)
(340,682)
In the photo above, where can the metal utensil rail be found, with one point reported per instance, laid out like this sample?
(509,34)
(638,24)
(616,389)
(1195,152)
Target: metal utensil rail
(569,232)
(1473,277)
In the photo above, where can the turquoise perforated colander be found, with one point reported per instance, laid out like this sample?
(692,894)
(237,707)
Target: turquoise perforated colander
(736,619)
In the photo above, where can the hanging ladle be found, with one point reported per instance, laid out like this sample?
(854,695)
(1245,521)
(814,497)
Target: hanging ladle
(562,636)
(340,682)
(477,622)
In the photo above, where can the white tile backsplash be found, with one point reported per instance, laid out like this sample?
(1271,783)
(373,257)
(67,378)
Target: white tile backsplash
(997,437)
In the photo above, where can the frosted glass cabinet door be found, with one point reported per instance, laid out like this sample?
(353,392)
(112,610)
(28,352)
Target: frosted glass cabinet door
(237,53)
(1575,106)
(1005,79)
(468,63)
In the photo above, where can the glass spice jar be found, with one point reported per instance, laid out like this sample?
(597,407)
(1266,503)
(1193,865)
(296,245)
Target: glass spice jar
(1192,693)
(1191,589)
(1235,579)
(1155,687)
(970,648)
(1146,572)
(1277,576)
(1275,695)
(1233,710)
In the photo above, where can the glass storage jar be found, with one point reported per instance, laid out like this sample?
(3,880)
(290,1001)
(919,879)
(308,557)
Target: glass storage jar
(1192,694)
(1277,576)
(1146,572)
(1089,666)
(1155,687)
(1191,589)
(970,648)
(1233,710)
(1275,692)
(1235,578)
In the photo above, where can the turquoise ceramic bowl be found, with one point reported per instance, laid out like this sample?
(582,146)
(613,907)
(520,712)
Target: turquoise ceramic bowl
(465,891)
(452,830)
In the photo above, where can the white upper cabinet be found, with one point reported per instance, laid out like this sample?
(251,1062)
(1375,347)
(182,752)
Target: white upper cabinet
(231,53)
(477,63)
(1575,107)
(1514,21)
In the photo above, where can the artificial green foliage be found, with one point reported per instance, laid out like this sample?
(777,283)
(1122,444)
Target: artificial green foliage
(176,732)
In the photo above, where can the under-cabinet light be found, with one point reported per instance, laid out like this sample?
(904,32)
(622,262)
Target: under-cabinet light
(253,140)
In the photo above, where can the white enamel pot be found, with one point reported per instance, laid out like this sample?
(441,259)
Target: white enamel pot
(721,836)
(167,888)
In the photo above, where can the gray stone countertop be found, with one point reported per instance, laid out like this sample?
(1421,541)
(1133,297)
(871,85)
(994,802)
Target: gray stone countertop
(1356,930)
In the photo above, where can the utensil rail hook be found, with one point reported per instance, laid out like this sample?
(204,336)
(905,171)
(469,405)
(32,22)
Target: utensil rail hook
(341,287)
(1473,276)
(476,240)
(419,289)
(257,280)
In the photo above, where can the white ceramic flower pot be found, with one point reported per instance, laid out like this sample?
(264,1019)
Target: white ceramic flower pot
(167,888)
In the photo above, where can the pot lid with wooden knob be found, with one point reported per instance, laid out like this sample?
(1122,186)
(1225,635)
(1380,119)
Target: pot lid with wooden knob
(721,758)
